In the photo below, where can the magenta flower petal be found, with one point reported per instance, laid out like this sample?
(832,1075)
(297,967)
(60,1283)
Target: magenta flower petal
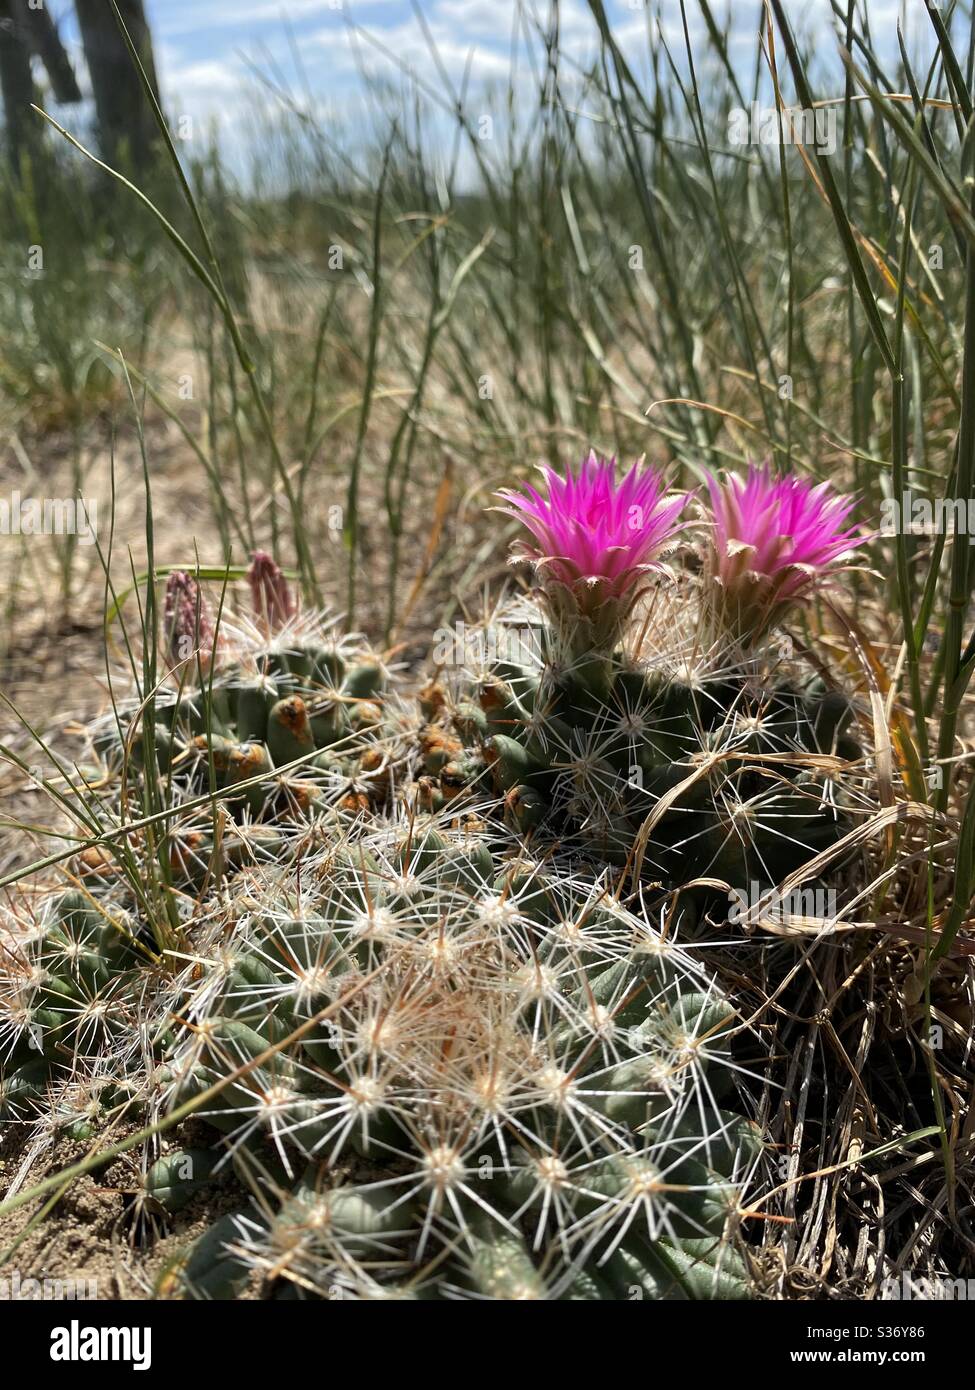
(773,541)
(594,539)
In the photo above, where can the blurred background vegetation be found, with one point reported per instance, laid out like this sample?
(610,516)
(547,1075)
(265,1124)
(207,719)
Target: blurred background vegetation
(442,290)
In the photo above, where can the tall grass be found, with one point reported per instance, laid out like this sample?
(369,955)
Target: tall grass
(385,326)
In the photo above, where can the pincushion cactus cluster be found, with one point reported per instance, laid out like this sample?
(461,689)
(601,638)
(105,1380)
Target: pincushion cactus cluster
(540,1072)
(275,703)
(78,1010)
(449,1049)
(529,1088)
(703,761)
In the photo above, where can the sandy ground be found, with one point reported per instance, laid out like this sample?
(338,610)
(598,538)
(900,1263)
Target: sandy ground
(90,1237)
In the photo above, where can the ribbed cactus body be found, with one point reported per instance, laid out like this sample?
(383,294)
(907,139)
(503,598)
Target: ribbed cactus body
(726,778)
(304,724)
(530,1073)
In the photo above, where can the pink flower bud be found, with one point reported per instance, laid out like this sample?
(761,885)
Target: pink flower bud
(187,621)
(270,593)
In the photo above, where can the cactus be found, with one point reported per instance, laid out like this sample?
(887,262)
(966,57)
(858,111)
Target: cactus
(445,1069)
(687,759)
(81,1012)
(521,1052)
(539,1083)
(301,720)
(726,772)
(401,989)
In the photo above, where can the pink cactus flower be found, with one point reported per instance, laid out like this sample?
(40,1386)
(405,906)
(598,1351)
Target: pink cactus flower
(271,595)
(775,540)
(595,540)
(187,621)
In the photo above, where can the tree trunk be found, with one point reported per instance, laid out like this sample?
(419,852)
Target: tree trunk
(126,125)
(16,85)
(43,37)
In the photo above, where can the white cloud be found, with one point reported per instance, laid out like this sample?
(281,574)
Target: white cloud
(206,78)
(407,47)
(495,18)
(184,19)
(200,47)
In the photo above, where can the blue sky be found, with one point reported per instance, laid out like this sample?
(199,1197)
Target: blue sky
(202,46)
